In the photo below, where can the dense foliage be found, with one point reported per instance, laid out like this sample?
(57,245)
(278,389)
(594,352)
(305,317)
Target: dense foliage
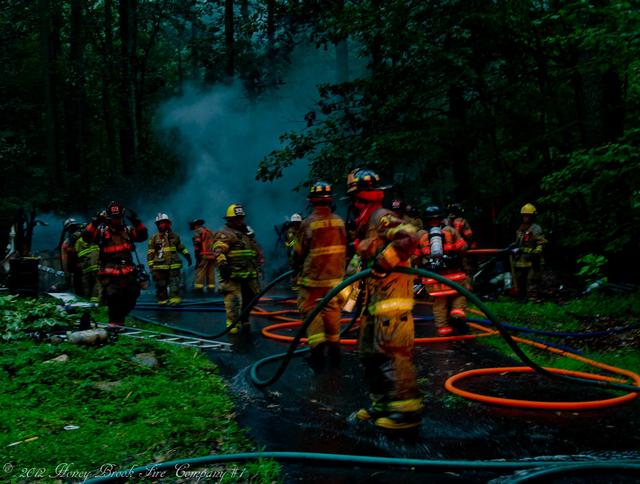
(21,318)
(492,104)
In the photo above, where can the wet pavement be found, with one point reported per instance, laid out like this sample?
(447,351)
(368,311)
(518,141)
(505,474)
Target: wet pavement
(305,412)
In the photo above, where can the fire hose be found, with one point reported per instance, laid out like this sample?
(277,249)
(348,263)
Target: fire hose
(562,375)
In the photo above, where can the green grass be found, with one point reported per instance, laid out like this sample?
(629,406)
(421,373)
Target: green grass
(577,315)
(179,409)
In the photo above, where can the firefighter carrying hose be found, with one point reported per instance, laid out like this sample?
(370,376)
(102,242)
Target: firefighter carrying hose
(238,258)
(439,250)
(526,256)
(117,273)
(164,262)
(319,259)
(203,240)
(386,327)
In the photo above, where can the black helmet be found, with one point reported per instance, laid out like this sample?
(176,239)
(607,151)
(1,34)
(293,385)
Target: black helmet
(432,211)
(361,180)
(455,209)
(195,223)
(115,210)
(320,192)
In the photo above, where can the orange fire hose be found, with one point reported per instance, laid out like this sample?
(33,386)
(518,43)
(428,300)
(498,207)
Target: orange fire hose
(288,322)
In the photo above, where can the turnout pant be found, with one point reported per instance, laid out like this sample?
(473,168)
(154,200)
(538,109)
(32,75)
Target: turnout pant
(326,325)
(205,274)
(445,307)
(167,283)
(386,352)
(120,294)
(237,294)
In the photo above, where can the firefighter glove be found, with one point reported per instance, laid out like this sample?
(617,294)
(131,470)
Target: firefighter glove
(378,272)
(188,257)
(99,218)
(133,217)
(225,271)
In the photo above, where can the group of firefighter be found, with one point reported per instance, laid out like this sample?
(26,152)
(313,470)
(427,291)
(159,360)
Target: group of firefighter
(323,250)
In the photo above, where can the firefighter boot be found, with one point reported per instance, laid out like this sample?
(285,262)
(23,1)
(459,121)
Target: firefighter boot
(316,357)
(234,327)
(399,421)
(334,355)
(374,412)
(459,325)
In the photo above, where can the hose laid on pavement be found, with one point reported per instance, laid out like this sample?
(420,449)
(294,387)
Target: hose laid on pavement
(185,465)
(286,358)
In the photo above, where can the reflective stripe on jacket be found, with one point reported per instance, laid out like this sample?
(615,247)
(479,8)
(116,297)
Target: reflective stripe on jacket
(163,249)
(240,251)
(321,249)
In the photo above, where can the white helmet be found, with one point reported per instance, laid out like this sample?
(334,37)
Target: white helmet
(162,216)
(296,217)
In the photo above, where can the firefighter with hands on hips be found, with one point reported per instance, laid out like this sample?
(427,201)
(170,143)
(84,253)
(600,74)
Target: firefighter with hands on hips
(163,259)
(319,259)
(456,220)
(238,258)
(383,242)
(440,248)
(203,240)
(526,255)
(117,272)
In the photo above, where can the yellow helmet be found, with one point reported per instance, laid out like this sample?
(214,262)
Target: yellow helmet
(528,209)
(235,210)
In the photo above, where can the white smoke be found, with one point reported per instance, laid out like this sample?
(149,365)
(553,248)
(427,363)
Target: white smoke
(223,137)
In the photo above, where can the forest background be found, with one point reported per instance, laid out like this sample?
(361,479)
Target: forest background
(491,104)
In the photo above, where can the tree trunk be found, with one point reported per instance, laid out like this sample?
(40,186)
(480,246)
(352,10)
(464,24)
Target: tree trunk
(457,146)
(107,79)
(76,99)
(128,124)
(49,74)
(229,67)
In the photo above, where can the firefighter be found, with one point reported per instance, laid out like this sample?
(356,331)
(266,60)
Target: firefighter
(456,220)
(203,239)
(162,258)
(290,240)
(404,212)
(238,258)
(386,325)
(88,265)
(117,272)
(526,255)
(71,232)
(440,249)
(319,259)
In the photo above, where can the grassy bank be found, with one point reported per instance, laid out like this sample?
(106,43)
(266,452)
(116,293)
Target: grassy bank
(109,406)
(595,312)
